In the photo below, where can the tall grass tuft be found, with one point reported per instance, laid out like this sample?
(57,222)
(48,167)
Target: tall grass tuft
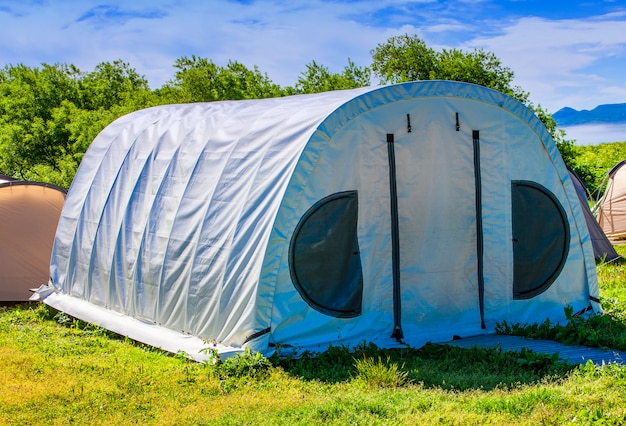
(379,373)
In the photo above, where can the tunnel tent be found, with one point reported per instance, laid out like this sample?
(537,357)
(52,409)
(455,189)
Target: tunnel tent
(29,213)
(396,215)
(603,250)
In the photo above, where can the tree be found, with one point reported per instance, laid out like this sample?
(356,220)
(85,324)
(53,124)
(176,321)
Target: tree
(407,58)
(201,80)
(113,84)
(50,115)
(317,78)
(403,58)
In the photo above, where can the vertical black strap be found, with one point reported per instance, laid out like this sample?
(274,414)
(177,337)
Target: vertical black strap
(395,240)
(479,226)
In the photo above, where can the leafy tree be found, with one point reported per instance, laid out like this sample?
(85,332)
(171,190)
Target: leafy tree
(407,58)
(317,78)
(403,58)
(593,162)
(201,80)
(50,115)
(28,134)
(113,84)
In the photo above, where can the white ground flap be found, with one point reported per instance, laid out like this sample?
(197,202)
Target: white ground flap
(144,332)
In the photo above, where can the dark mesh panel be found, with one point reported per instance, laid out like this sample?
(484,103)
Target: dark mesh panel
(540,239)
(324,256)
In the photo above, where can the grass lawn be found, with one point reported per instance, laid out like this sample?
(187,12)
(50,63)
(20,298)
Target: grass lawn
(59,371)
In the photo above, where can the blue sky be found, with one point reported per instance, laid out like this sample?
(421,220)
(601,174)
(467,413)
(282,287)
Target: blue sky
(565,53)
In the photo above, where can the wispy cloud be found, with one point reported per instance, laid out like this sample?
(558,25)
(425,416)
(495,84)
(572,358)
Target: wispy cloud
(112,14)
(564,56)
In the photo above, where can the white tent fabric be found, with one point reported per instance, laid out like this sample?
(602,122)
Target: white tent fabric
(184,218)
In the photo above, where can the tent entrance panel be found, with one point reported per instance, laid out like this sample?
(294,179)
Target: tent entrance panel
(437,213)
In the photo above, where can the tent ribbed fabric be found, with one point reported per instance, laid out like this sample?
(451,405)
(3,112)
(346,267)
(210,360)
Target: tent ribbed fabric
(179,227)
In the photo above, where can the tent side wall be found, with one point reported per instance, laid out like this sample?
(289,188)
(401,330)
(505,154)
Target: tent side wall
(611,208)
(602,247)
(29,213)
(170,211)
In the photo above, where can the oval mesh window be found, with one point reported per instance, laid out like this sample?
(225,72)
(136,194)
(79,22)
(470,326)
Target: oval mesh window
(540,238)
(324,258)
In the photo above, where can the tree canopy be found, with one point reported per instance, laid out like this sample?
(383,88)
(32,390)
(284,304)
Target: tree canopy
(201,80)
(407,58)
(50,114)
(317,78)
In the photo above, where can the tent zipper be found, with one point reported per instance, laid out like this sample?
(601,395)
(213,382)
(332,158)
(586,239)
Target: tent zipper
(395,240)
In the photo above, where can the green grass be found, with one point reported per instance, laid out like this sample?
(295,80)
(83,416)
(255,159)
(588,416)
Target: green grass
(72,373)
(55,370)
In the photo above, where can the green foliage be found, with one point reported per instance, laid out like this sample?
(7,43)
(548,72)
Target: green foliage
(50,115)
(246,364)
(404,58)
(201,80)
(317,78)
(408,58)
(593,162)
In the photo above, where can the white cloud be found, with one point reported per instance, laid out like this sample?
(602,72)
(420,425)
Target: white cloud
(574,62)
(554,59)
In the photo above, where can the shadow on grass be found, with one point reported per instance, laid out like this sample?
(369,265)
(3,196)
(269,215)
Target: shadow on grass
(436,366)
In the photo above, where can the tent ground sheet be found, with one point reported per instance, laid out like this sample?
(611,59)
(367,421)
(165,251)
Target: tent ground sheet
(571,354)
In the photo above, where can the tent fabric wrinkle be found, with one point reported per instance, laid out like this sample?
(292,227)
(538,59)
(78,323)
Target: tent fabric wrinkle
(267,224)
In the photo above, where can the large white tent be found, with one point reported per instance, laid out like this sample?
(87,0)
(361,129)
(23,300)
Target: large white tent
(396,215)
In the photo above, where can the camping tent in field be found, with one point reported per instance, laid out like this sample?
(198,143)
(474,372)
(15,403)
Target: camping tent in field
(29,212)
(602,247)
(611,207)
(395,215)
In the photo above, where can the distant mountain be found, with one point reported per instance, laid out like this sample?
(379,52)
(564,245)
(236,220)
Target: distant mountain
(610,113)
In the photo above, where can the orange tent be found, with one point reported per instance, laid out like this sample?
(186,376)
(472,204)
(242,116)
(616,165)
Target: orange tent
(29,213)
(611,208)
